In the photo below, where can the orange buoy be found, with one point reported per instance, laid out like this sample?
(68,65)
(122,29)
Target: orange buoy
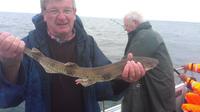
(190,107)
(192,98)
(195,86)
(194,67)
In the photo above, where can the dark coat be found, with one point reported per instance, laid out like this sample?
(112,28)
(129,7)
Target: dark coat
(155,92)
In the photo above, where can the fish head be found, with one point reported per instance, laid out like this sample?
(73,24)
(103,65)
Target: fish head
(36,54)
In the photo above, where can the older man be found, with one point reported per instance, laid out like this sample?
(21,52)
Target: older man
(155,92)
(59,34)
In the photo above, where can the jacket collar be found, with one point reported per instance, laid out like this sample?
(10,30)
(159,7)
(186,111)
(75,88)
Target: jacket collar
(144,25)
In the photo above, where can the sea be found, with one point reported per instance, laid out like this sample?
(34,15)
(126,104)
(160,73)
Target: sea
(181,38)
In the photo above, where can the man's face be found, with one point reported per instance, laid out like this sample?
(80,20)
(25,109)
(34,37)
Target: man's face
(129,25)
(60,16)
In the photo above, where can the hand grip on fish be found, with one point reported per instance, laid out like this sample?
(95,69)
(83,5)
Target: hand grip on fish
(87,76)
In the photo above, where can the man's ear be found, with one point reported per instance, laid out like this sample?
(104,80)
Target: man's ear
(136,22)
(74,11)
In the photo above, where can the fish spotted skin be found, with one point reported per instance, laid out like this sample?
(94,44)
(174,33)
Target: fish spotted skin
(87,76)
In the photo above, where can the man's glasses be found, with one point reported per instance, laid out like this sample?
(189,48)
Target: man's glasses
(56,12)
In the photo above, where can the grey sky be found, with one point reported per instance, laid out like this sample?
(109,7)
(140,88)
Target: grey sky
(175,10)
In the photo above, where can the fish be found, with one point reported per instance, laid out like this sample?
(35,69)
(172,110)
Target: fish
(87,75)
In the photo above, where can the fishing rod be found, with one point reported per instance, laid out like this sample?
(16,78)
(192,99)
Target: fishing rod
(176,70)
(182,76)
(191,82)
(116,22)
(186,79)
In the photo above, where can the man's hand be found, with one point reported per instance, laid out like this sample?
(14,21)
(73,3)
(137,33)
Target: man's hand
(11,48)
(11,53)
(132,71)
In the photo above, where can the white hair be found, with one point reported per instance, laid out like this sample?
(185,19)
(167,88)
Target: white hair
(133,15)
(44,2)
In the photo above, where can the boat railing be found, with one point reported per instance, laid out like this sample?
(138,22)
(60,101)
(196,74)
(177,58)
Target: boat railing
(180,90)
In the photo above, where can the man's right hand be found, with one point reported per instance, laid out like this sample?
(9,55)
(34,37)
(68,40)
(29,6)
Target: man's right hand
(11,53)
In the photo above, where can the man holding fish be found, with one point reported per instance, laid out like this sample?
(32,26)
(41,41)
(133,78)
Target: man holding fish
(155,91)
(59,35)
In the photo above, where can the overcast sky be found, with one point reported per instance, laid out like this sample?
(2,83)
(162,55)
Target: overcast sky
(173,10)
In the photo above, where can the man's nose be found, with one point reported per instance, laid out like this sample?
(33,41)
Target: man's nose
(61,15)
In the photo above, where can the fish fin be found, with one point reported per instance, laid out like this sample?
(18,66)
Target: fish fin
(85,82)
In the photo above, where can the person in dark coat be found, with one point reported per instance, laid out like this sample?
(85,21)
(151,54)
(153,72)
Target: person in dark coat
(60,35)
(155,92)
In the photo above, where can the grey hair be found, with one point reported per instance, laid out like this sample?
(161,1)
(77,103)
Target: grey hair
(133,15)
(44,2)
